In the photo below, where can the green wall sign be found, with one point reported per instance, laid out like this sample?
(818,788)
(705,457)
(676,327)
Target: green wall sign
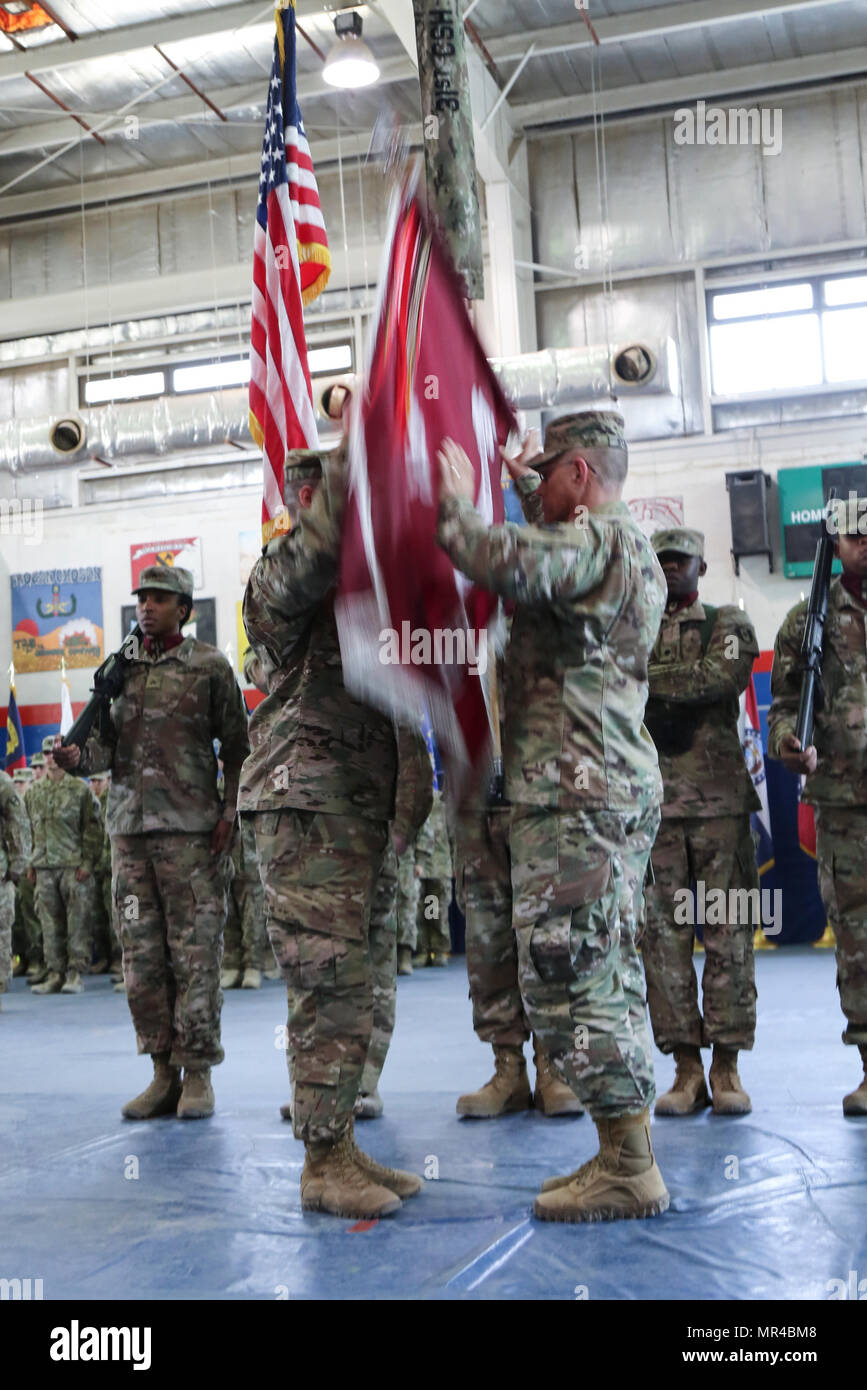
(803,498)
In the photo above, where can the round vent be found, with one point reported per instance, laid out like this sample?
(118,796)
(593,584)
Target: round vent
(67,436)
(634,365)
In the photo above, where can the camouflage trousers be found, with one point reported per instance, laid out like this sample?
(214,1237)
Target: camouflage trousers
(717,851)
(27,931)
(65,910)
(170,900)
(577,883)
(383,965)
(320,875)
(841,835)
(7,918)
(106,938)
(246,940)
(407,899)
(483,887)
(432,916)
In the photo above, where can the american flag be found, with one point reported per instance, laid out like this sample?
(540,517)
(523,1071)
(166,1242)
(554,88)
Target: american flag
(291,266)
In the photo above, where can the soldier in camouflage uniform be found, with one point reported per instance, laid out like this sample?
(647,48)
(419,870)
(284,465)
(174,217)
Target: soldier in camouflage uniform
(247,952)
(64,824)
(383,928)
(699,667)
(835,765)
(109,955)
(170,837)
(26,931)
(407,910)
(483,888)
(15,849)
(582,777)
(433,873)
(320,784)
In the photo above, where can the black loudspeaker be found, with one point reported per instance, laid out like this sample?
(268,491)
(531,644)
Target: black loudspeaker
(748,505)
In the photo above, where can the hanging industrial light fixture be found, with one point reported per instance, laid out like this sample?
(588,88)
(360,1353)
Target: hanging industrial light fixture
(350,62)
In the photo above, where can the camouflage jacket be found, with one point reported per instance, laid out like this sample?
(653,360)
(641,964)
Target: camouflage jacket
(15,841)
(588,605)
(696,696)
(160,747)
(840,733)
(433,857)
(64,823)
(314,745)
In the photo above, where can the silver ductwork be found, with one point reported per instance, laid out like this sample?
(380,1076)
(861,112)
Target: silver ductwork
(537,381)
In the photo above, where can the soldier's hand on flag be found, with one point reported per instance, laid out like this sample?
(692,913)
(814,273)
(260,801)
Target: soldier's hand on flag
(519,465)
(68,757)
(794,759)
(457,475)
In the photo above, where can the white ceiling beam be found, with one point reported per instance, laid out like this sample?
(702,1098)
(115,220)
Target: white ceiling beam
(47,134)
(643,24)
(149,183)
(115,42)
(645,96)
(400,15)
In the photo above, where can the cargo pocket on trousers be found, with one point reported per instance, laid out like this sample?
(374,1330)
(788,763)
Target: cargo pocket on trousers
(576,940)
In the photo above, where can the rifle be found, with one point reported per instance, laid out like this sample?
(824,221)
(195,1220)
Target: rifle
(108,682)
(812,693)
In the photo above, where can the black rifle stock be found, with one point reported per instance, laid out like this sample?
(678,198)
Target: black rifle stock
(814,631)
(108,682)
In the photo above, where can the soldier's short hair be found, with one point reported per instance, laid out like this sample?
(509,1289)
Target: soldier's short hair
(610,464)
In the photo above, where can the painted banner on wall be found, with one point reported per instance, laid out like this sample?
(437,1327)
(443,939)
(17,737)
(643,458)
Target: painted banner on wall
(186,552)
(55,614)
(656,513)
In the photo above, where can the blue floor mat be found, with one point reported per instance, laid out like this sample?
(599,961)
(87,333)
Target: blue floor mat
(767,1206)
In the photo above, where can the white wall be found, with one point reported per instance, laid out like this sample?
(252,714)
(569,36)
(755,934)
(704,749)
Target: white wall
(102,536)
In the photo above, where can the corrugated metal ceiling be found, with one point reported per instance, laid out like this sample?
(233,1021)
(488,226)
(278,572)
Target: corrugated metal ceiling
(226,64)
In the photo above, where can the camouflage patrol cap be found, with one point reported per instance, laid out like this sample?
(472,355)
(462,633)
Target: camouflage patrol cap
(680,539)
(172,578)
(38,760)
(302,463)
(590,429)
(23,774)
(48,743)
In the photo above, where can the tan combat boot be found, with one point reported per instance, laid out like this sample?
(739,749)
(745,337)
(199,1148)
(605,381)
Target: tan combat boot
(507,1091)
(622,1182)
(404,960)
(35,973)
(52,984)
(397,1180)
(72,984)
(230,979)
(856,1101)
(729,1096)
(161,1096)
(332,1180)
(197,1095)
(689,1092)
(552,1096)
(252,978)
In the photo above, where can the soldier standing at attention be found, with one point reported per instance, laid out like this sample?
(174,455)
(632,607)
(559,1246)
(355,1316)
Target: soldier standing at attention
(699,667)
(170,837)
(247,952)
(320,784)
(67,838)
(26,936)
(14,853)
(433,872)
(583,780)
(835,766)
